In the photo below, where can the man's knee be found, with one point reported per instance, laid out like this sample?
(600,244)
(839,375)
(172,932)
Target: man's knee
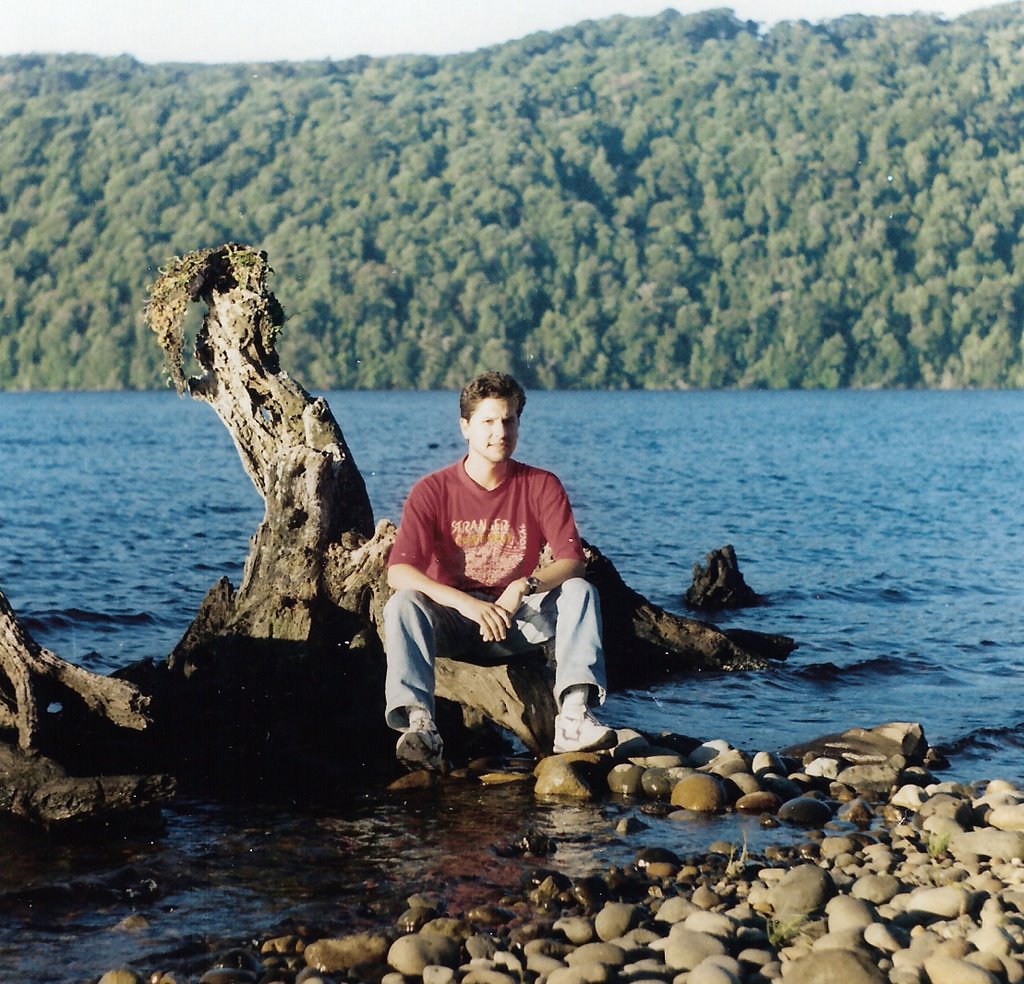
(580,592)
(405,604)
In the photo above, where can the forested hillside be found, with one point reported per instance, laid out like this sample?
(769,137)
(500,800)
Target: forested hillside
(657,202)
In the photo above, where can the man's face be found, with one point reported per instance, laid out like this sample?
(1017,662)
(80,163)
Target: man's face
(493,430)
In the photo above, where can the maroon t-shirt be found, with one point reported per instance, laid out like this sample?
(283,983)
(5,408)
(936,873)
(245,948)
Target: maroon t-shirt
(476,539)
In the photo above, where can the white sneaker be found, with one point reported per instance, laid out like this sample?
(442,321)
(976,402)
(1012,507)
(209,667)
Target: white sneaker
(420,746)
(575,732)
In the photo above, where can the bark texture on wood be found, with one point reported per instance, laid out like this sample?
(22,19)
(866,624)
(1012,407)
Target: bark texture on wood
(720,584)
(36,678)
(289,443)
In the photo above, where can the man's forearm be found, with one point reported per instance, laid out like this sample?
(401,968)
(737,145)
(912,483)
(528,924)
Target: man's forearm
(405,577)
(557,573)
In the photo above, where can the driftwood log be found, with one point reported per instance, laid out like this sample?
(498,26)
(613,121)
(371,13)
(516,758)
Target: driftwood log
(282,678)
(53,708)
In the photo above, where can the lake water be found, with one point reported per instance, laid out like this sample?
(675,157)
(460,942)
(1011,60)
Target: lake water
(883,529)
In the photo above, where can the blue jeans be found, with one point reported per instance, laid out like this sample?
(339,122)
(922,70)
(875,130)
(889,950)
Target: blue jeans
(416,629)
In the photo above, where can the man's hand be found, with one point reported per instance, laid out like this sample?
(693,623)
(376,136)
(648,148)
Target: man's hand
(494,620)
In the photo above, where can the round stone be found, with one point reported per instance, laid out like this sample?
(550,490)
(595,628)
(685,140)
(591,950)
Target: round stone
(764,801)
(626,780)
(802,890)
(410,954)
(604,954)
(576,929)
(685,949)
(562,778)
(805,811)
(877,889)
(701,794)
(615,920)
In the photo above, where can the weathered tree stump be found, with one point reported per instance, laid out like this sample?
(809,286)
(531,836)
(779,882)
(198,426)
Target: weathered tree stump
(286,673)
(720,584)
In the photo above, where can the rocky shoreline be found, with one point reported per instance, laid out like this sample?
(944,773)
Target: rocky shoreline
(896,877)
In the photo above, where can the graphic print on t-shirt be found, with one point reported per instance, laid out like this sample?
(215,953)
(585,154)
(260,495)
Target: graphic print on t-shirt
(493,552)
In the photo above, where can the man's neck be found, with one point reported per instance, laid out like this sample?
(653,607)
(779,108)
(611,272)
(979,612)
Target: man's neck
(487,474)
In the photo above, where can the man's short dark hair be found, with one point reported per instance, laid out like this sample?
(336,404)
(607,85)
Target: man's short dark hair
(487,386)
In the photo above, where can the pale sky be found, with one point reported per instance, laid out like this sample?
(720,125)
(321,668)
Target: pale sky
(301,30)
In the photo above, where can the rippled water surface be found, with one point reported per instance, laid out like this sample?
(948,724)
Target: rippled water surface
(882,528)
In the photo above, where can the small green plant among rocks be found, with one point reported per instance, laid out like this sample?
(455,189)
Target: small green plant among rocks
(938,845)
(784,930)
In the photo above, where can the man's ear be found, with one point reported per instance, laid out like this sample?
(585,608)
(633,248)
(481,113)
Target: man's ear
(464,427)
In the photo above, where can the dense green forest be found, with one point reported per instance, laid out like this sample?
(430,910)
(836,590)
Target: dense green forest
(637,202)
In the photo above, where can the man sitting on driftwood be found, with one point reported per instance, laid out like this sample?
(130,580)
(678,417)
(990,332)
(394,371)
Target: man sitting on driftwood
(463,568)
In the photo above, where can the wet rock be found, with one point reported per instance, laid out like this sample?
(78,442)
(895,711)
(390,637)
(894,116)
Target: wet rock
(760,802)
(856,811)
(873,746)
(701,794)
(731,763)
(561,776)
(708,751)
(871,779)
(805,811)
(782,786)
(630,825)
(626,780)
(591,892)
(415,918)
(657,783)
(768,762)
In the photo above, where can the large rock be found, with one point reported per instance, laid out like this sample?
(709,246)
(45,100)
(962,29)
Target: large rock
(888,744)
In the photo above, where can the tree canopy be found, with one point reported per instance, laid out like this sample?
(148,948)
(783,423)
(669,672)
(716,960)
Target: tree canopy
(676,201)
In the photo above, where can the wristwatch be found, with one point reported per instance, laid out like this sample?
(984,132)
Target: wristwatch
(532,586)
